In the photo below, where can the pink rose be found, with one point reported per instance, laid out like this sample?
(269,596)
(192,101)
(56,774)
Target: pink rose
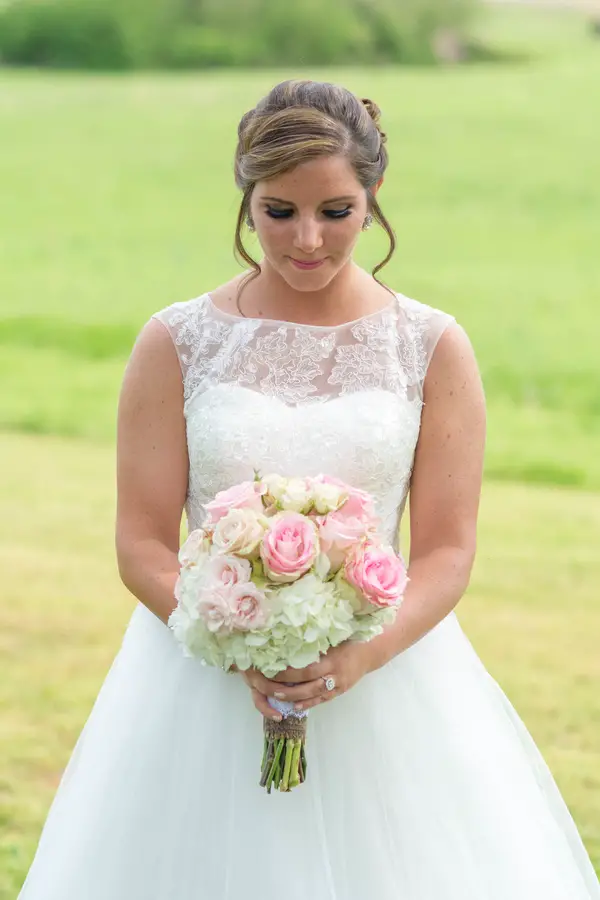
(246,495)
(357,504)
(227,571)
(289,547)
(248,605)
(337,533)
(377,573)
(215,610)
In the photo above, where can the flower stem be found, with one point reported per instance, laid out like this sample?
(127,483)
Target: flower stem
(295,776)
(267,766)
(289,750)
(303,758)
(270,776)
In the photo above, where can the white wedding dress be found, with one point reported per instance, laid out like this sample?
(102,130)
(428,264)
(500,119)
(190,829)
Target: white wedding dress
(423,783)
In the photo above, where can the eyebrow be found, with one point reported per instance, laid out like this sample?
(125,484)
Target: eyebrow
(333,200)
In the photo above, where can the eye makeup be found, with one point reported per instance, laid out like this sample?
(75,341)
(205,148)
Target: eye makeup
(288,213)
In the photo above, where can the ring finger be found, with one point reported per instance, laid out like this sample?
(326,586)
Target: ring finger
(323,697)
(305,692)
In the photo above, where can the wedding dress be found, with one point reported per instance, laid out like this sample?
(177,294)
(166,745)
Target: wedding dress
(423,782)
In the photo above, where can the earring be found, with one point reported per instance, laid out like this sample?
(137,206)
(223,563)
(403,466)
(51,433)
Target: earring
(250,223)
(367,222)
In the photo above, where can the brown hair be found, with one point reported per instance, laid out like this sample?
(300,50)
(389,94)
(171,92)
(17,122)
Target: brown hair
(301,120)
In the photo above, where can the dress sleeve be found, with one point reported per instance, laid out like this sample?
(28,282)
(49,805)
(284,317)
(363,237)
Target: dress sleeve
(167,320)
(186,324)
(437,323)
(421,327)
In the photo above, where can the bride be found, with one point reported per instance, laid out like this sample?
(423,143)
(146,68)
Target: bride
(424,783)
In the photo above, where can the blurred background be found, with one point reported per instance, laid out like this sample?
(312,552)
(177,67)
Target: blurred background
(117,129)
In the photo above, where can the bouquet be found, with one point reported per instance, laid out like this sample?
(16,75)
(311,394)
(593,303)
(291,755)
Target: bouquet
(281,570)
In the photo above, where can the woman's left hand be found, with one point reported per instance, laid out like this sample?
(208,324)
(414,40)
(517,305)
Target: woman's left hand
(346,664)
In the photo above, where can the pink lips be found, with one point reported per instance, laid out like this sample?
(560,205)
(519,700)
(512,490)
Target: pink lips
(306,265)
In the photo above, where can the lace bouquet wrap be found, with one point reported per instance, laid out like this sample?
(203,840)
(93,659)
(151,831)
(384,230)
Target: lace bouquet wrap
(281,570)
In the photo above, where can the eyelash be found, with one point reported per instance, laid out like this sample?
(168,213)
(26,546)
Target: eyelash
(287,213)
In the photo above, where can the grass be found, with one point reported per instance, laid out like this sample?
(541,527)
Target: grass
(532,613)
(118,199)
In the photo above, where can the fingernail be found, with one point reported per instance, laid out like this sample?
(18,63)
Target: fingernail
(277,718)
(298,706)
(279,695)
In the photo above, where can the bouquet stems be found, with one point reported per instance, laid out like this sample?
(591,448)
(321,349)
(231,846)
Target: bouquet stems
(284,758)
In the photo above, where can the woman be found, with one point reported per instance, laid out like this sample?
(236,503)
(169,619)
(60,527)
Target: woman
(424,784)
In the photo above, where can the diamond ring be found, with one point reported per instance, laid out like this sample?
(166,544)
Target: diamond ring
(329,682)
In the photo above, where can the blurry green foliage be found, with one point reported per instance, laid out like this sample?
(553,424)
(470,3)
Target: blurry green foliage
(198,47)
(62,34)
(205,33)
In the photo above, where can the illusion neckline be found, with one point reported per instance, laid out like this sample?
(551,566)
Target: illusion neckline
(217,311)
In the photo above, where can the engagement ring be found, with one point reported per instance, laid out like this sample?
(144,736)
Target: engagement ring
(329,682)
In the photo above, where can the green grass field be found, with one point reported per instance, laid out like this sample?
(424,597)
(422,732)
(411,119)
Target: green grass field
(118,199)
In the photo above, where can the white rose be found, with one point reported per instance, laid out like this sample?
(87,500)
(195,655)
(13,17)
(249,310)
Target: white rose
(194,548)
(327,497)
(297,497)
(239,532)
(274,487)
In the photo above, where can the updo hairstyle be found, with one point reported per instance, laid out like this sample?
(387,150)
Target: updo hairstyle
(300,120)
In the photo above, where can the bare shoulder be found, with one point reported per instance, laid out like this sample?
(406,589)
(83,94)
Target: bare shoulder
(154,339)
(153,371)
(453,370)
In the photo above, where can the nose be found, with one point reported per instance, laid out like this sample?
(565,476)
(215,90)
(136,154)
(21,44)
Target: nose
(308,236)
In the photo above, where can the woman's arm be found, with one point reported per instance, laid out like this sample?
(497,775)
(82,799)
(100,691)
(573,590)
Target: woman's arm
(152,471)
(444,495)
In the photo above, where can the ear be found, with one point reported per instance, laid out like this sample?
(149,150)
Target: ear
(376,186)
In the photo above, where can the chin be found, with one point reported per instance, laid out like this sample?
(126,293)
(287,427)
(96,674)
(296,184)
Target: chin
(308,281)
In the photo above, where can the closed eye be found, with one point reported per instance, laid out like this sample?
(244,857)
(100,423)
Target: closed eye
(288,213)
(337,213)
(279,213)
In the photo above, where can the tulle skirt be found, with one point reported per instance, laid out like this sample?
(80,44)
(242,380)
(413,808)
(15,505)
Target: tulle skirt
(423,784)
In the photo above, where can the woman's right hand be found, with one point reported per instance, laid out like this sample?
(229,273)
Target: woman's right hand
(261,689)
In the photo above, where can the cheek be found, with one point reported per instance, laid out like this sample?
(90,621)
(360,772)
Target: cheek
(275,233)
(347,232)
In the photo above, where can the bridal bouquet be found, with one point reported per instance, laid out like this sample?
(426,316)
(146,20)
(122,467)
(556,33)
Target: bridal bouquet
(281,570)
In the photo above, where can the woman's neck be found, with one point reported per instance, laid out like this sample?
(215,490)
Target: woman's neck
(350,295)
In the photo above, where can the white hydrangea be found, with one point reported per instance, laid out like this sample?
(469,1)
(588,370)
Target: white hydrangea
(307,617)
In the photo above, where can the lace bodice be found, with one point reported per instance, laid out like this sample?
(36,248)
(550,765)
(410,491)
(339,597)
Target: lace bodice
(275,396)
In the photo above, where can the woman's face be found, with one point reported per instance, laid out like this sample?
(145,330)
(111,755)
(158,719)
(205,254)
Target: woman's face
(311,214)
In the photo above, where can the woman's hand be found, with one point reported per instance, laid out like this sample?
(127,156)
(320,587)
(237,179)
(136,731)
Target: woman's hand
(346,664)
(261,689)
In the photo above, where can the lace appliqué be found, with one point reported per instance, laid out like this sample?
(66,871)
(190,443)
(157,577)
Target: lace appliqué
(292,367)
(301,364)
